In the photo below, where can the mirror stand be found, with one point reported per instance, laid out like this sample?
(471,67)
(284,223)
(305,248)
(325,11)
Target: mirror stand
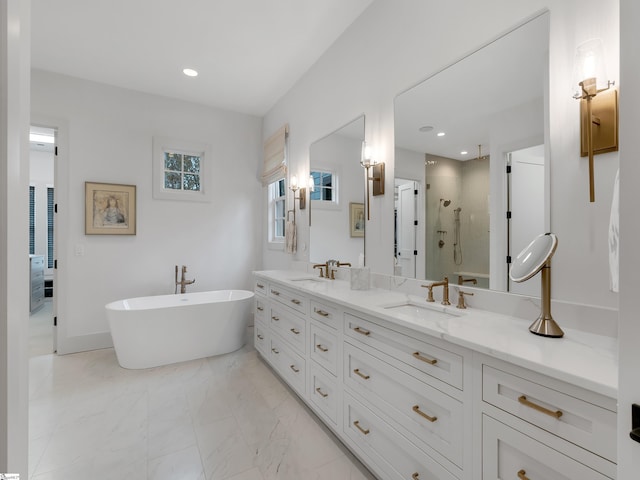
(545,325)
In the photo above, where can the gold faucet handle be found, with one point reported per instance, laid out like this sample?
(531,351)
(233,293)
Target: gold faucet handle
(430,293)
(344,264)
(461,295)
(320,266)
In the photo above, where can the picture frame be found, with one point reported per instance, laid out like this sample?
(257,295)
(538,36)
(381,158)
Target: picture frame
(110,209)
(356,219)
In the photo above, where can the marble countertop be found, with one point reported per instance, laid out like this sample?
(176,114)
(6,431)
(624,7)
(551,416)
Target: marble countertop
(583,359)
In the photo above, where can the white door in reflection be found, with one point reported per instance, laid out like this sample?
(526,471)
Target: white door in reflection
(526,204)
(406,229)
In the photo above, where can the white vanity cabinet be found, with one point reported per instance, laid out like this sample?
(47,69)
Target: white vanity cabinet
(413,406)
(536,427)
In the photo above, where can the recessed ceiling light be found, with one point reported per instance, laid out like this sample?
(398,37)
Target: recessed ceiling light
(189,72)
(441,134)
(464,152)
(426,128)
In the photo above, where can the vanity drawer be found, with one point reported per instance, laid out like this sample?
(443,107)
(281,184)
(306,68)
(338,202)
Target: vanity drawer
(567,416)
(326,314)
(290,327)
(290,298)
(290,365)
(261,287)
(260,338)
(510,454)
(418,355)
(395,456)
(324,392)
(260,310)
(37,262)
(422,413)
(324,348)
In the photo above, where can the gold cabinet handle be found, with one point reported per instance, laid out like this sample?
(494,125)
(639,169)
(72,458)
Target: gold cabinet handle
(416,408)
(275,292)
(322,348)
(296,332)
(430,361)
(275,350)
(522,475)
(362,331)
(365,431)
(293,367)
(275,319)
(260,337)
(360,374)
(260,309)
(297,302)
(321,393)
(415,476)
(322,313)
(259,285)
(523,400)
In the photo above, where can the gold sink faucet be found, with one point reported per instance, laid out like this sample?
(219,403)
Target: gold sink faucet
(183,282)
(322,266)
(462,280)
(445,291)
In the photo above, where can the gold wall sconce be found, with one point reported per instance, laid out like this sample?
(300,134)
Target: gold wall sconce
(598,105)
(295,188)
(377,174)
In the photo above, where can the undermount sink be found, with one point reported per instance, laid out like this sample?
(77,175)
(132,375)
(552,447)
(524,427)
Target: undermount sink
(420,311)
(307,279)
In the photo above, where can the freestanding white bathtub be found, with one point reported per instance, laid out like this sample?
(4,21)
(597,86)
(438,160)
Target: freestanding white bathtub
(159,330)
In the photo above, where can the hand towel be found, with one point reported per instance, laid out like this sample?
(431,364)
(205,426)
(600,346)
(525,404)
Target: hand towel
(290,237)
(614,246)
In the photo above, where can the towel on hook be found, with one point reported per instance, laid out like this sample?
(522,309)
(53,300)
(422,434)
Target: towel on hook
(290,237)
(614,246)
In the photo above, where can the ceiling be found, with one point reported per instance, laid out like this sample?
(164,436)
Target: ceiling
(248,53)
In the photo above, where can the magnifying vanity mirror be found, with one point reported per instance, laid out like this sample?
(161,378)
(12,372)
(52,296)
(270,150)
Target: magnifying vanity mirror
(534,258)
(471,164)
(337,200)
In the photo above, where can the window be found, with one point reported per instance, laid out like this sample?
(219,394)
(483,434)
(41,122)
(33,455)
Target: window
(50,210)
(32,220)
(324,186)
(181,170)
(277,211)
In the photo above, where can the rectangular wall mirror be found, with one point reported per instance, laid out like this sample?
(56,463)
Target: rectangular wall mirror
(470,147)
(337,199)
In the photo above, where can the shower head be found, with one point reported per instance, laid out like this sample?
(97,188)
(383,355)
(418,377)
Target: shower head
(444,202)
(458,210)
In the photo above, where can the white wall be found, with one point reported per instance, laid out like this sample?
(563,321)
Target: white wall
(110,133)
(390,47)
(629,356)
(14,238)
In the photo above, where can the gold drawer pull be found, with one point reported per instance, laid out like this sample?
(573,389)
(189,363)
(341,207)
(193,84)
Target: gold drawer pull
(523,400)
(415,476)
(259,285)
(430,361)
(296,332)
(275,292)
(416,408)
(362,331)
(360,374)
(365,431)
(322,313)
(297,302)
(260,309)
(322,394)
(322,348)
(274,350)
(522,475)
(275,319)
(260,337)
(293,367)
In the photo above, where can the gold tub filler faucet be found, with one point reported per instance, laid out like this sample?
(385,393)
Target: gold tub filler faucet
(183,282)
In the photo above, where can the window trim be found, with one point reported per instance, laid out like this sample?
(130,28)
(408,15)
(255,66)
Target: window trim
(273,242)
(335,172)
(203,150)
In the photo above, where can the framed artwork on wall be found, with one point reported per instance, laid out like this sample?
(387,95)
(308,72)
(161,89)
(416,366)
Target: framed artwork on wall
(356,219)
(110,209)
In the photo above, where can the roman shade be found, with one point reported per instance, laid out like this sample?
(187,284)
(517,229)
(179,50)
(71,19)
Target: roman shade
(275,164)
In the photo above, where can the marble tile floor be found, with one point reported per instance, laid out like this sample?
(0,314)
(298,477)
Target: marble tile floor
(219,418)
(41,330)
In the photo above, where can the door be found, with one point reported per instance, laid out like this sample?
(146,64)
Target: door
(406,229)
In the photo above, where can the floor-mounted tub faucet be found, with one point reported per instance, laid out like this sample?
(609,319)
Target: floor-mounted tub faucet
(183,283)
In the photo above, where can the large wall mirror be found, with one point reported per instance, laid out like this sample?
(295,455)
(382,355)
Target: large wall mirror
(337,199)
(457,135)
